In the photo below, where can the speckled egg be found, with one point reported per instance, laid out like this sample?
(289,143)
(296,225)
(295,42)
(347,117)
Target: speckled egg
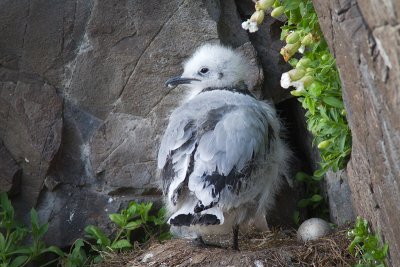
(313,229)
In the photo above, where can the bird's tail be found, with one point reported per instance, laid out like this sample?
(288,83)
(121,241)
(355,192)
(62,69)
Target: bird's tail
(186,216)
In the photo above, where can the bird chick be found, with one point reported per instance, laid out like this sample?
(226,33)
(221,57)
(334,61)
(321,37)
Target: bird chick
(221,158)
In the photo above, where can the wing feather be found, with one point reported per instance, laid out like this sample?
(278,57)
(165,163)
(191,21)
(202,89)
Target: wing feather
(224,152)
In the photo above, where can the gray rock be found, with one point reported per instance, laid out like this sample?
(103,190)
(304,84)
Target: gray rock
(30,127)
(338,192)
(363,36)
(10,172)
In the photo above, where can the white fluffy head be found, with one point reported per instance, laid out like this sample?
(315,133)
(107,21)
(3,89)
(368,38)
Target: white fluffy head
(214,65)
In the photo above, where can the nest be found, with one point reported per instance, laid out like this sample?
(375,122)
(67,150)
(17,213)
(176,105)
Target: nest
(276,248)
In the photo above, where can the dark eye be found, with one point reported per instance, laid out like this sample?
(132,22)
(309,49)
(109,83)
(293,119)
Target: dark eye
(204,70)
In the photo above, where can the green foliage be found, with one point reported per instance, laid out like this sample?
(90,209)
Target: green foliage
(77,256)
(135,216)
(317,86)
(13,251)
(313,201)
(322,95)
(366,246)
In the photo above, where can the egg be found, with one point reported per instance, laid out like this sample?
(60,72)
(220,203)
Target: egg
(313,229)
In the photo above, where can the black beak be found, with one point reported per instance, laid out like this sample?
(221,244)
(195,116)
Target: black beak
(174,81)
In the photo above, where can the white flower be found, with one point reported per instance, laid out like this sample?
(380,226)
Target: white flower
(286,82)
(253,26)
(299,85)
(302,48)
(246,24)
(249,25)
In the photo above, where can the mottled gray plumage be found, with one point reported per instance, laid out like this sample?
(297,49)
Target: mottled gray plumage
(221,157)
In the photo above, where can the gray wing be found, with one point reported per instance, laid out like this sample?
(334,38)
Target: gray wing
(224,156)
(175,154)
(213,152)
(179,143)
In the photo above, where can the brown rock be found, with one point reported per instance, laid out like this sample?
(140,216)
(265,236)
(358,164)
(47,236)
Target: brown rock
(364,36)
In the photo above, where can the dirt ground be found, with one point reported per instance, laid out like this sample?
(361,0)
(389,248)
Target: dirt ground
(277,248)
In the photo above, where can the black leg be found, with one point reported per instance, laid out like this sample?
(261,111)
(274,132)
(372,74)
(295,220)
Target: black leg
(199,241)
(236,237)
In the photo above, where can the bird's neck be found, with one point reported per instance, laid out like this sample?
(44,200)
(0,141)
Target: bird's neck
(240,88)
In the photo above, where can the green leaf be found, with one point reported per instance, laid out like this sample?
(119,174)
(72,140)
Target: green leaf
(77,256)
(316,198)
(21,251)
(132,209)
(303,203)
(54,250)
(284,33)
(319,173)
(302,177)
(356,241)
(19,261)
(123,243)
(43,230)
(291,4)
(317,178)
(97,234)
(303,9)
(133,225)
(6,204)
(2,242)
(97,259)
(34,218)
(333,101)
(118,219)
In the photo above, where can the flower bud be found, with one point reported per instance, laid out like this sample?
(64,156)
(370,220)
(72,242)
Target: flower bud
(258,17)
(307,80)
(278,11)
(296,74)
(297,92)
(289,50)
(325,57)
(307,40)
(324,144)
(292,38)
(264,4)
(304,62)
(310,70)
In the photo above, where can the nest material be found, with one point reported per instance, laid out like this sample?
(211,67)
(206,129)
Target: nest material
(277,248)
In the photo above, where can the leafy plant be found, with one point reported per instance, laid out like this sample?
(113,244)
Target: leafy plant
(314,201)
(135,216)
(366,245)
(13,252)
(77,256)
(13,236)
(317,86)
(315,77)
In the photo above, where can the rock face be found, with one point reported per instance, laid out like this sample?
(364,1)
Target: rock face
(10,172)
(364,36)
